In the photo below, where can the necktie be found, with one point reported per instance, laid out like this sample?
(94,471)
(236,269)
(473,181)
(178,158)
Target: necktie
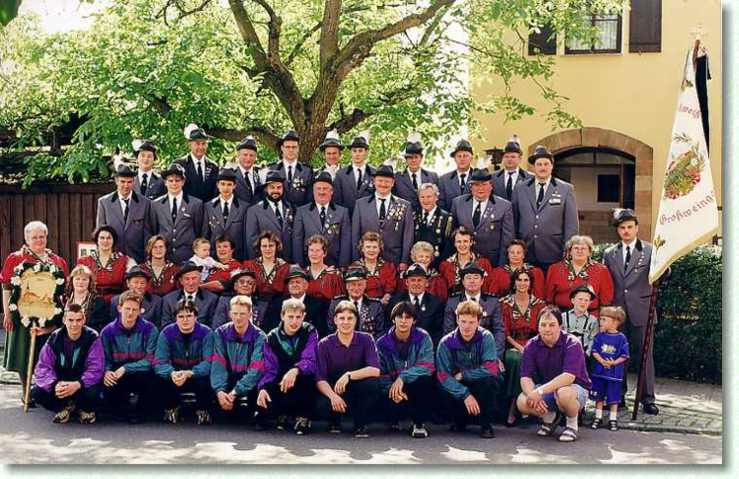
(174,210)
(628,258)
(125,210)
(426,218)
(323,216)
(248,182)
(290,174)
(462,182)
(278,214)
(415,181)
(191,297)
(509,187)
(476,215)
(144,183)
(225,211)
(356,305)
(416,303)
(382,209)
(540,197)
(200,169)
(359,178)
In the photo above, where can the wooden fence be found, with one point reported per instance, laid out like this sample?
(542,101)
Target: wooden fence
(68,210)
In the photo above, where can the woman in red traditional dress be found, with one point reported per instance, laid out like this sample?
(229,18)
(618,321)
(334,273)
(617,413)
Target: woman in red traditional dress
(576,269)
(107,263)
(18,336)
(500,282)
(382,276)
(464,240)
(324,282)
(269,269)
(162,271)
(218,278)
(423,253)
(519,311)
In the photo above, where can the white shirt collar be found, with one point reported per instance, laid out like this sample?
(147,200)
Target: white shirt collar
(413,297)
(178,198)
(431,212)
(149,175)
(632,244)
(289,163)
(319,206)
(475,297)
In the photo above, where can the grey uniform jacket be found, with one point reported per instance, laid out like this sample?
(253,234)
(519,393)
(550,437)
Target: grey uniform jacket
(300,191)
(337,230)
(404,185)
(151,308)
(135,232)
(631,289)
(181,233)
(396,231)
(203,189)
(154,186)
(261,217)
(245,191)
(499,182)
(345,186)
(449,188)
(204,300)
(491,319)
(495,229)
(369,310)
(234,227)
(545,229)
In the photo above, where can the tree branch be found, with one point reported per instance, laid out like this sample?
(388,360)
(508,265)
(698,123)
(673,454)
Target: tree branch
(274,29)
(329,43)
(299,44)
(263,135)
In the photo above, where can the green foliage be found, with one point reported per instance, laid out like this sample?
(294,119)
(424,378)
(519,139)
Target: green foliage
(8,10)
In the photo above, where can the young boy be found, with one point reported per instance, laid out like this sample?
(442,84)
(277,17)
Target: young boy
(610,352)
(202,257)
(578,321)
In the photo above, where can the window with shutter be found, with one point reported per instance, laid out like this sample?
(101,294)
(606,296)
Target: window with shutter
(645,26)
(544,42)
(607,38)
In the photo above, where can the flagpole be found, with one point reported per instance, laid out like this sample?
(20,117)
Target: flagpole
(646,347)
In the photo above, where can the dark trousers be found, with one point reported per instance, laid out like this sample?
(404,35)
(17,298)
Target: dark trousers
(170,393)
(636,335)
(86,399)
(485,392)
(298,401)
(144,384)
(418,406)
(244,406)
(361,397)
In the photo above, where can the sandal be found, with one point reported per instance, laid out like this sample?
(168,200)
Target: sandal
(548,428)
(597,422)
(613,425)
(568,435)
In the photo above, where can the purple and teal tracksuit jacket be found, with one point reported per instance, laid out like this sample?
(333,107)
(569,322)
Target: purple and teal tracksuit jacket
(475,359)
(286,352)
(418,362)
(177,352)
(63,360)
(131,348)
(237,356)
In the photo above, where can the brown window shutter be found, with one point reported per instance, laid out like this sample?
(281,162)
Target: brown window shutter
(544,42)
(645,26)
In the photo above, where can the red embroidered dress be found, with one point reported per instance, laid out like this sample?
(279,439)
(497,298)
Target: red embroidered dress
(450,269)
(110,277)
(269,283)
(163,284)
(520,325)
(327,285)
(501,280)
(223,275)
(382,280)
(561,279)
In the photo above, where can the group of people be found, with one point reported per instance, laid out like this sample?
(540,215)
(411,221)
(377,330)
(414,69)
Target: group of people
(334,291)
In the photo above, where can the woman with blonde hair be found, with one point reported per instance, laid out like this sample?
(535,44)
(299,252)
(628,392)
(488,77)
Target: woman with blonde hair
(81,290)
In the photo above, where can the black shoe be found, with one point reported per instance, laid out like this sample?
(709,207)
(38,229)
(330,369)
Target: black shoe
(613,425)
(651,408)
(419,431)
(281,423)
(361,432)
(596,423)
(487,431)
(395,426)
(334,428)
(302,426)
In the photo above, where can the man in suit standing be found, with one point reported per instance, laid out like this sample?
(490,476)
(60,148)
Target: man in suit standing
(247,173)
(488,216)
(148,183)
(128,213)
(407,183)
(388,215)
(299,177)
(628,261)
(331,149)
(355,181)
(201,173)
(176,215)
(456,182)
(325,218)
(226,215)
(545,212)
(511,174)
(429,308)
(271,214)
(433,224)
(189,278)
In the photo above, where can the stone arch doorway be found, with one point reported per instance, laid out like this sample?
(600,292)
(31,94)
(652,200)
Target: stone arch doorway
(614,154)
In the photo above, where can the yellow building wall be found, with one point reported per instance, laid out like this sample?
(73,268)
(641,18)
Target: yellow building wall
(632,93)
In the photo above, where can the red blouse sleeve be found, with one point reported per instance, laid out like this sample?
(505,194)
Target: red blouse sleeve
(507,314)
(540,283)
(13,260)
(446,270)
(500,282)
(389,278)
(553,276)
(605,294)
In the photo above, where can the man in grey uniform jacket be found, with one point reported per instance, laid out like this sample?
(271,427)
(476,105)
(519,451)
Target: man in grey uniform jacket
(323,217)
(354,181)
(247,173)
(545,212)
(128,213)
(176,215)
(271,214)
(226,215)
(407,182)
(298,176)
(488,216)
(511,173)
(189,279)
(456,182)
(148,183)
(628,261)
(388,215)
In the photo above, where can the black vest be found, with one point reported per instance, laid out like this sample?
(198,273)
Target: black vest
(71,368)
(285,360)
